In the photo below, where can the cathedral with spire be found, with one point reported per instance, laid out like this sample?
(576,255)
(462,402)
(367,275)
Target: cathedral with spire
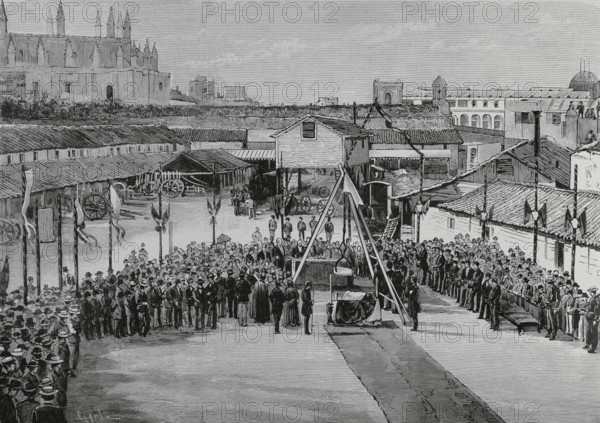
(105,67)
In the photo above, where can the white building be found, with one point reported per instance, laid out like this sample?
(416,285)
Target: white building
(507,224)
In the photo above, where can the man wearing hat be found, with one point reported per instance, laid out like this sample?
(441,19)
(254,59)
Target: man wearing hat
(307,304)
(592,315)
(414,305)
(552,303)
(277,298)
(46,411)
(232,303)
(68,280)
(59,379)
(242,292)
(8,411)
(28,403)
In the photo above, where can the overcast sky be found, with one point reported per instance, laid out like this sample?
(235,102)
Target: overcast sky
(340,47)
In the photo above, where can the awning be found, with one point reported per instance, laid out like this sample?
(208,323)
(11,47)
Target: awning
(249,155)
(409,154)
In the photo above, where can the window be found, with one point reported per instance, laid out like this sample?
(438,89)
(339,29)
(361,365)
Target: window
(36,88)
(160,86)
(309,130)
(475,122)
(9,159)
(485,103)
(363,143)
(553,118)
(118,150)
(111,151)
(139,148)
(464,120)
(73,154)
(557,164)
(445,146)
(387,99)
(36,156)
(56,155)
(81,153)
(109,92)
(525,118)
(487,122)
(451,223)
(175,146)
(496,104)
(473,155)
(474,103)
(68,87)
(462,103)
(22,158)
(498,122)
(452,103)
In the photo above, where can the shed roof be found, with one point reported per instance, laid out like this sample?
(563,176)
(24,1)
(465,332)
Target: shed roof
(508,199)
(417,136)
(204,160)
(211,135)
(49,175)
(22,138)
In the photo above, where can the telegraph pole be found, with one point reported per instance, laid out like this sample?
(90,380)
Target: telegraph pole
(59,242)
(536,181)
(484,211)
(160,214)
(110,228)
(24,240)
(214,219)
(576,225)
(76,242)
(38,256)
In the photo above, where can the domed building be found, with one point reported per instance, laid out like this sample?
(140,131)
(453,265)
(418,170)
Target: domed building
(585,81)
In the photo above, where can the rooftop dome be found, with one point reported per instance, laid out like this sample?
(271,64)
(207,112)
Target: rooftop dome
(439,81)
(583,81)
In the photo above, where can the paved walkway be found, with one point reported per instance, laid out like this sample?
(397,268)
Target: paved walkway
(523,378)
(226,375)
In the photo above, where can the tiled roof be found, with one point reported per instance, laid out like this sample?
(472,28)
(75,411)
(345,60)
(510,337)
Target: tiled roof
(554,159)
(508,199)
(48,175)
(21,138)
(223,160)
(417,136)
(211,135)
(339,126)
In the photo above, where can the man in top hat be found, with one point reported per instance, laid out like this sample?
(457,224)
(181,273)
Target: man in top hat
(232,304)
(46,411)
(307,304)
(592,315)
(277,299)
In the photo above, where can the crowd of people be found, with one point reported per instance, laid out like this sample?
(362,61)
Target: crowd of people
(201,284)
(479,275)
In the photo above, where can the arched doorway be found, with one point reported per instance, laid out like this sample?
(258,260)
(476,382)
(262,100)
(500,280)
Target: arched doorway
(475,121)
(387,98)
(498,122)
(109,92)
(464,120)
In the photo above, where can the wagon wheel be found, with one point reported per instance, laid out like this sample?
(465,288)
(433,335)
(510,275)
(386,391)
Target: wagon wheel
(324,192)
(7,232)
(94,206)
(66,206)
(291,206)
(305,204)
(321,206)
(172,188)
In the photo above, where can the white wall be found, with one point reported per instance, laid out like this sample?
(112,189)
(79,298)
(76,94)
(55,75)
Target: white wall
(588,171)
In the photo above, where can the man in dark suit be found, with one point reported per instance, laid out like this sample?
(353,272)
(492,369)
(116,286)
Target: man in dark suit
(8,411)
(232,304)
(177,298)
(47,412)
(414,305)
(484,305)
(437,269)
(200,303)
(277,300)
(212,293)
(494,302)
(307,304)
(423,262)
(475,296)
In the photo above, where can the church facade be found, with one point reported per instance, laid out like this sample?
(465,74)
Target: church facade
(80,69)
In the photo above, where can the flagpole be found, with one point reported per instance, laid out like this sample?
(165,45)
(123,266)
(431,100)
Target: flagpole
(574,247)
(24,241)
(214,220)
(59,243)
(484,221)
(160,214)
(110,228)
(536,181)
(76,240)
(38,257)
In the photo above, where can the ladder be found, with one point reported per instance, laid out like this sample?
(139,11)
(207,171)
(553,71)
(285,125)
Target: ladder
(390,228)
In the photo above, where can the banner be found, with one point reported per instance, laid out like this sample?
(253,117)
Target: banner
(46,225)
(28,182)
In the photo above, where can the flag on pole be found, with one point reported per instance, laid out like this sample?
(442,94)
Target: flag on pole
(568,219)
(543,215)
(80,224)
(583,222)
(28,181)
(116,212)
(426,206)
(527,213)
(351,189)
